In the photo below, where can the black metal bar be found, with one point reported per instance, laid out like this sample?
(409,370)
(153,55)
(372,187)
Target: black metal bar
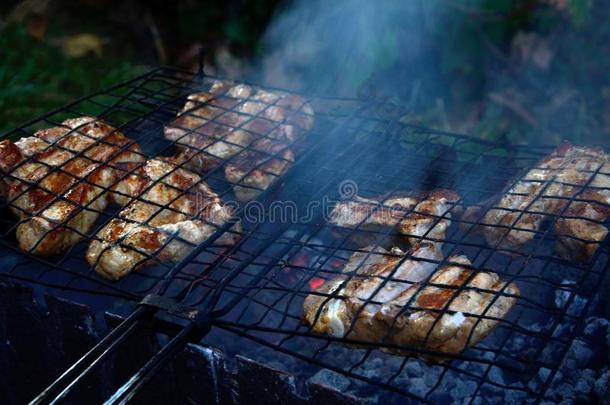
(61,387)
(152,367)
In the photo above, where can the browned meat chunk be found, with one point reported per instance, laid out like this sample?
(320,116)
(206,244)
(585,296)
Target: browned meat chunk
(55,181)
(570,187)
(386,298)
(168,211)
(250,130)
(416,215)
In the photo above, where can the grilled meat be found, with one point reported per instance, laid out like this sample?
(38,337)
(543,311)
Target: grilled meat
(430,217)
(415,215)
(253,171)
(167,211)
(203,142)
(571,187)
(437,316)
(369,278)
(55,181)
(249,128)
(372,213)
(404,309)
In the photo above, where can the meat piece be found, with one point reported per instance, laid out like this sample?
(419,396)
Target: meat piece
(436,316)
(208,153)
(409,311)
(581,229)
(431,217)
(250,129)
(167,211)
(55,181)
(31,145)
(204,143)
(544,194)
(372,214)
(369,279)
(257,169)
(94,139)
(415,215)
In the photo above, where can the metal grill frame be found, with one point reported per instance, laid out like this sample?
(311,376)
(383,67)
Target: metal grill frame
(241,276)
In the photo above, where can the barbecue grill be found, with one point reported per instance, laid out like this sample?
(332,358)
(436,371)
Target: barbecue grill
(254,291)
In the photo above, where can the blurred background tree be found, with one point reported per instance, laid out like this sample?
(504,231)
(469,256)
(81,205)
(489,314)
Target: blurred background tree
(516,70)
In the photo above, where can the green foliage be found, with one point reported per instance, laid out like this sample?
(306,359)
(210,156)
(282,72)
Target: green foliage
(580,10)
(35,76)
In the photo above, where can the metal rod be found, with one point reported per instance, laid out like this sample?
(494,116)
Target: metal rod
(152,367)
(99,352)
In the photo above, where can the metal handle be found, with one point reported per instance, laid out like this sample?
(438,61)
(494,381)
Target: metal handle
(61,387)
(198,327)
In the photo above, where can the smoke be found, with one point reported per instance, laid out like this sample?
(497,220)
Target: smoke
(496,70)
(346,46)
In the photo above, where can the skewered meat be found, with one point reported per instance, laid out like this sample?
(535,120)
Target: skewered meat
(407,311)
(55,181)
(167,210)
(571,185)
(248,128)
(416,215)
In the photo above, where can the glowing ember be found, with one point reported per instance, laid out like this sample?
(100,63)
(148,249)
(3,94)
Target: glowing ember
(316,283)
(300,261)
(337,264)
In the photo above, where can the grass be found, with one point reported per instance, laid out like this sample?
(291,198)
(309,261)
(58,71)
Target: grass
(36,76)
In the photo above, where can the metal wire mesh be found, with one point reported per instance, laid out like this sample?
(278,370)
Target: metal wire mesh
(265,301)
(256,288)
(140,109)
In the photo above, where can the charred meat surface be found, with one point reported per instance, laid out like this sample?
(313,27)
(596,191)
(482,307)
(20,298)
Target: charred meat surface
(374,274)
(414,215)
(407,301)
(167,211)
(55,182)
(251,129)
(569,187)
(255,170)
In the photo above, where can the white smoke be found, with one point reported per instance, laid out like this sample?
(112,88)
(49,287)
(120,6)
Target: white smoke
(339,45)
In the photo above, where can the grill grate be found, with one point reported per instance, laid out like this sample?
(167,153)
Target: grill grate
(255,289)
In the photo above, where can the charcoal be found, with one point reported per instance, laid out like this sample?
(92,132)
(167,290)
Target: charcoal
(496,375)
(418,386)
(562,330)
(579,355)
(562,297)
(585,382)
(330,379)
(518,343)
(440,398)
(463,389)
(535,333)
(601,386)
(596,325)
(565,391)
(540,378)
(431,376)
(514,397)
(414,367)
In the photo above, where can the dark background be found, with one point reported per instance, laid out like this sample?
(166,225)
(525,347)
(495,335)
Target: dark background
(533,71)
